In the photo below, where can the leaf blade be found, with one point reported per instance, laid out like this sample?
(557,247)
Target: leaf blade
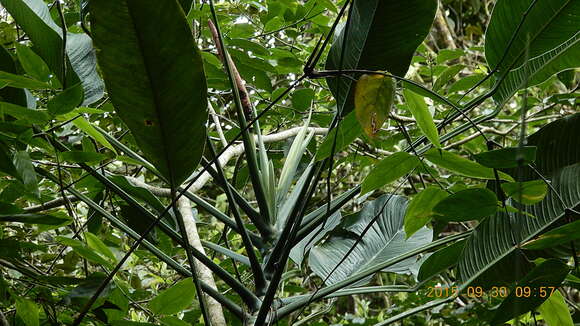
(164,104)
(388,170)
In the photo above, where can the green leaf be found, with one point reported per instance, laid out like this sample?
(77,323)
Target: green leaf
(186,5)
(440,261)
(466,83)
(461,165)
(418,107)
(35,19)
(92,256)
(302,99)
(551,273)
(311,239)
(446,76)
(20,112)
(173,321)
(383,241)
(164,101)
(27,310)
(26,171)
(549,37)
(348,131)
(382,35)
(6,164)
(66,100)
(175,299)
(558,155)
(18,81)
(558,236)
(420,209)
(96,244)
(447,55)
(34,66)
(373,99)
(467,205)
(129,323)
(555,311)
(31,218)
(138,193)
(10,94)
(388,170)
(84,125)
(528,193)
(507,157)
(256,48)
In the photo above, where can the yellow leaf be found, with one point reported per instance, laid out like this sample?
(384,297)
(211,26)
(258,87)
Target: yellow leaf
(373,99)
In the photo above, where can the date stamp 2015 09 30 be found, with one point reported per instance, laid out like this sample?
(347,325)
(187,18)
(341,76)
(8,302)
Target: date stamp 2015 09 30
(493,292)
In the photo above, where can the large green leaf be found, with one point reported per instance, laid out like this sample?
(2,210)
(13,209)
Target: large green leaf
(27,310)
(556,237)
(34,18)
(440,260)
(383,241)
(10,94)
(175,299)
(416,104)
(156,83)
(340,137)
(466,205)
(420,209)
(549,37)
(382,35)
(462,165)
(23,113)
(540,282)
(555,310)
(495,237)
(305,244)
(25,169)
(388,170)
(509,157)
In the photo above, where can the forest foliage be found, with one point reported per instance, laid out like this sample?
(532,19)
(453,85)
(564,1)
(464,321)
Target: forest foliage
(289,162)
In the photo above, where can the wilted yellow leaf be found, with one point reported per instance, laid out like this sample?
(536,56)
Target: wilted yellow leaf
(373,99)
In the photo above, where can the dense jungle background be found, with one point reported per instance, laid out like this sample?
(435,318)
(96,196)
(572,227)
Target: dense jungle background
(289,162)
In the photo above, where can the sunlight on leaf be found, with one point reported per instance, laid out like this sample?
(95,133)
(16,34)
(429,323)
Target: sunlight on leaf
(418,107)
(528,193)
(420,209)
(373,98)
(388,170)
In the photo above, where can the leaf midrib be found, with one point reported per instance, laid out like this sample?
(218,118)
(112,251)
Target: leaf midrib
(540,31)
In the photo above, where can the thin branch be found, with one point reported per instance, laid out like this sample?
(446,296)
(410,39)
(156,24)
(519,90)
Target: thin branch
(50,204)
(3,320)
(443,29)
(214,309)
(218,125)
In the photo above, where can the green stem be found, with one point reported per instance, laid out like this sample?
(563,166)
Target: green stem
(264,229)
(279,256)
(246,137)
(254,263)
